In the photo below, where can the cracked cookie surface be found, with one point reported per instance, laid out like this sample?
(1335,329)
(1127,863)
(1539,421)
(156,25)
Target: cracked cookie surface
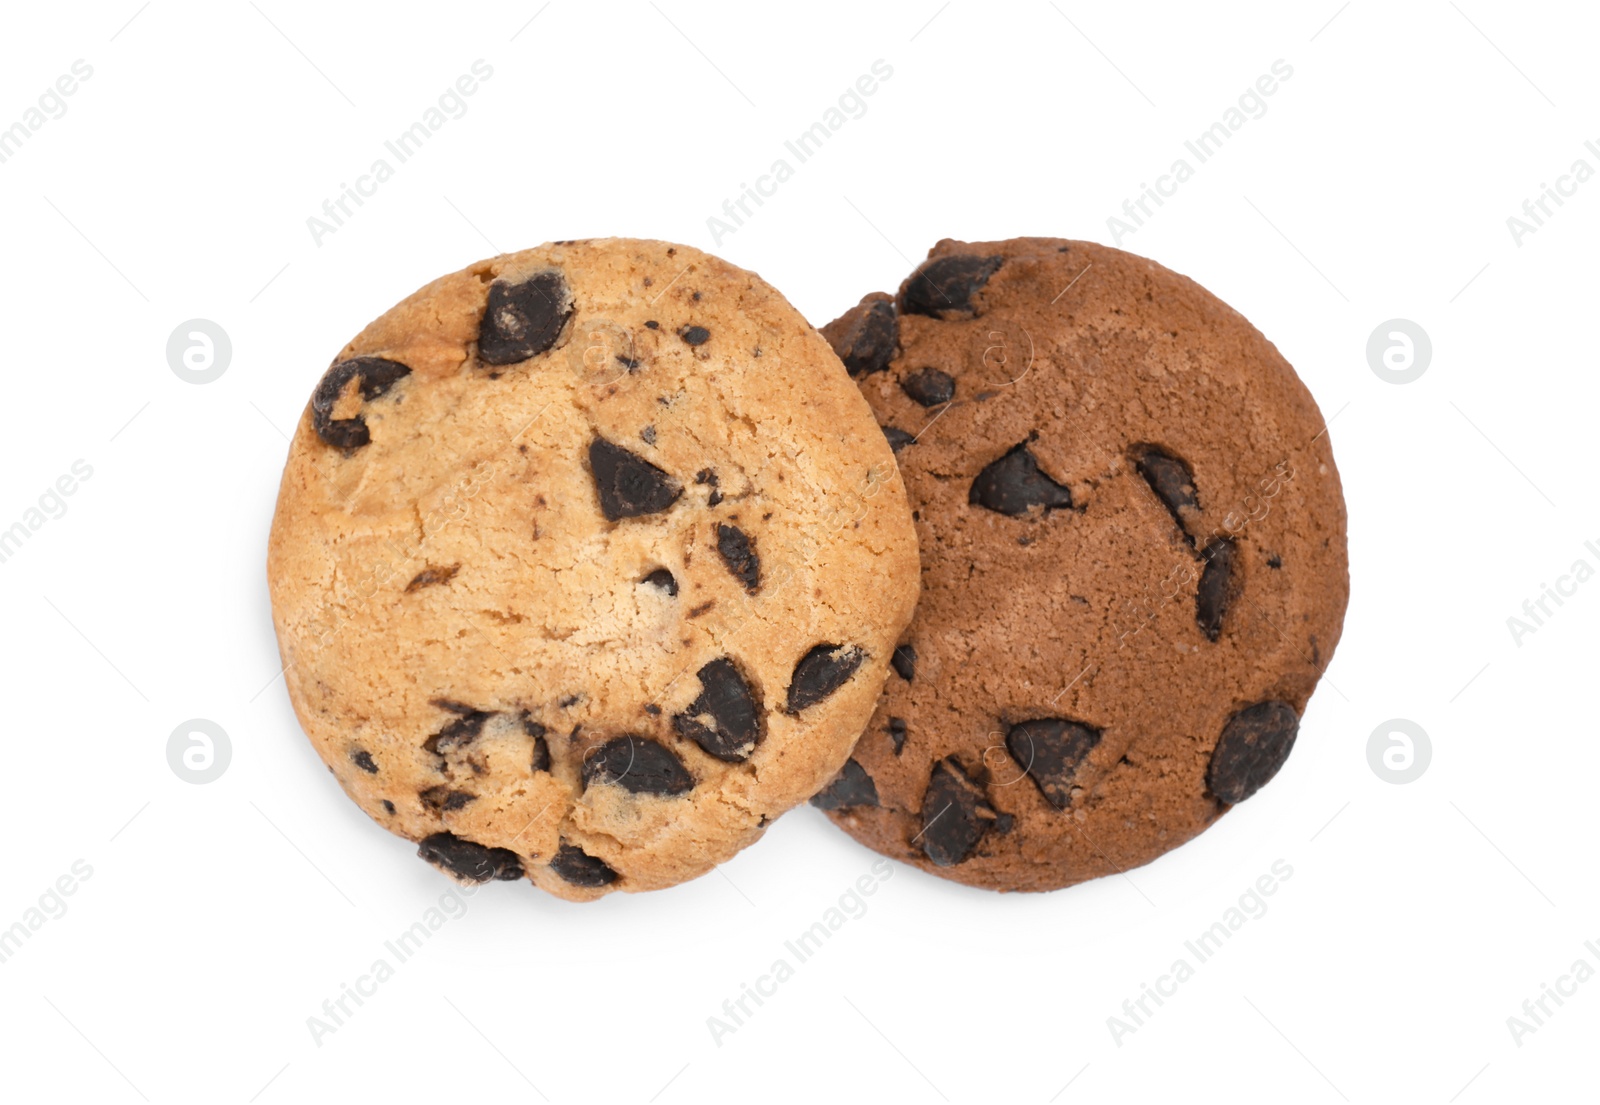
(588,562)
(1134,565)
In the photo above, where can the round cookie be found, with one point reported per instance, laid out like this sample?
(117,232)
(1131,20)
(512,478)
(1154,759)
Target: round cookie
(588,562)
(1133,555)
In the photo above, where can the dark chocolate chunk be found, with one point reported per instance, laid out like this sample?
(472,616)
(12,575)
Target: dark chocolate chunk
(898,438)
(820,672)
(541,747)
(955,815)
(740,556)
(638,765)
(363,759)
(628,484)
(1172,481)
(376,376)
(1050,750)
(695,335)
(897,733)
(442,799)
(523,320)
(464,730)
(1215,590)
(388,806)
(1253,746)
(579,868)
(469,860)
(723,720)
(868,345)
(929,386)
(430,576)
(904,662)
(1014,484)
(851,787)
(652,325)
(663,579)
(707,476)
(945,286)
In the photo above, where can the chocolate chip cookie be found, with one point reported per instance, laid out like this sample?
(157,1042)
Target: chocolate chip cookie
(1133,555)
(588,562)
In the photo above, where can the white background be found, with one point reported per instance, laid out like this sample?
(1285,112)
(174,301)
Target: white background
(219,917)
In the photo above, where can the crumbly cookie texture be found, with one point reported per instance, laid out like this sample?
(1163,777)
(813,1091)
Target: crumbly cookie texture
(588,562)
(1134,566)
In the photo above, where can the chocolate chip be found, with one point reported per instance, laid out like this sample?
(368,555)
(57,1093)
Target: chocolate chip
(929,386)
(1014,484)
(820,672)
(740,556)
(1215,590)
(1172,481)
(628,484)
(1253,746)
(376,376)
(579,868)
(442,799)
(866,344)
(897,733)
(1050,750)
(851,787)
(904,662)
(648,435)
(955,815)
(363,759)
(638,765)
(945,286)
(388,806)
(523,320)
(1274,562)
(464,730)
(469,860)
(663,579)
(428,577)
(652,325)
(695,335)
(722,721)
(541,747)
(629,363)
(707,476)
(898,438)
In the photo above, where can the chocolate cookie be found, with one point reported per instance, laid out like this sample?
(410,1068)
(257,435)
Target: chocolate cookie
(588,562)
(1133,556)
